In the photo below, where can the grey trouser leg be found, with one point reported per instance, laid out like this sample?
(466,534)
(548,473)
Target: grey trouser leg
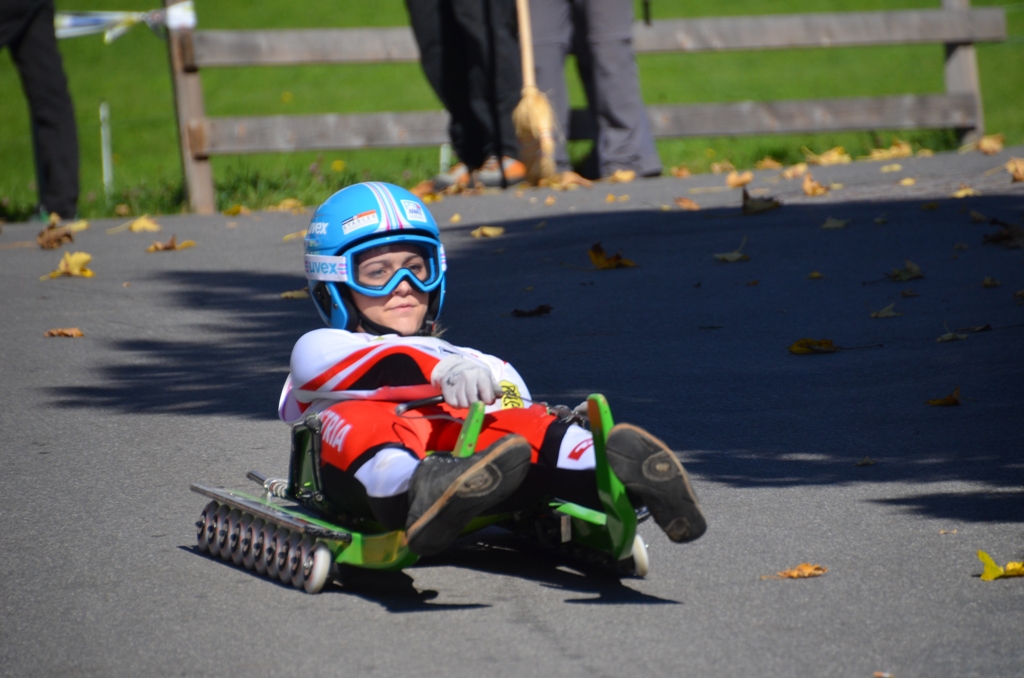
(551,21)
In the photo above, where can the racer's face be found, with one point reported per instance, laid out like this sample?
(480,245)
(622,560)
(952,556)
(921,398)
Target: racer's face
(405,308)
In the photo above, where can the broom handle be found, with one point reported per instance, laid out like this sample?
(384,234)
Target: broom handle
(526,43)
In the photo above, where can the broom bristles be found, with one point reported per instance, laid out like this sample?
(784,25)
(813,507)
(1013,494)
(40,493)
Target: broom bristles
(534,121)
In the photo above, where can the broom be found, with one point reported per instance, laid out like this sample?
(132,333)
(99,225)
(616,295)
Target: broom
(533,118)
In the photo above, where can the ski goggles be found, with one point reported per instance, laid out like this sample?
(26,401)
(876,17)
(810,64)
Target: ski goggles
(345,268)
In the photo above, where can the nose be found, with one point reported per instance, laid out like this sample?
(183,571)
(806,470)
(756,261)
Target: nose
(403,289)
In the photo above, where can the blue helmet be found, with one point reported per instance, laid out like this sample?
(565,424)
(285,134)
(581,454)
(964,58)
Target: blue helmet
(354,220)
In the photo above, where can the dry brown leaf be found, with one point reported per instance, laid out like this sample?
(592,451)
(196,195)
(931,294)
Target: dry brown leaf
(141,225)
(72,264)
(930,206)
(812,346)
(909,293)
(71,332)
(423,188)
(990,282)
(758,205)
(753,283)
(78,226)
(550,200)
(899,149)
(812,187)
(236,210)
(736,255)
(990,144)
(833,224)
(610,197)
(680,171)
(687,204)
(1009,236)
(487,231)
(297,235)
(795,172)
(722,167)
(910,272)
(171,245)
(455,218)
(965,191)
(895,167)
(950,336)
(977,217)
(925,153)
(52,237)
(866,461)
(543,309)
(881,219)
(1015,166)
(886,312)
(801,571)
(950,400)
(622,176)
(953,531)
(833,156)
(602,261)
(815,275)
(296,294)
(624,197)
(908,181)
(292,205)
(565,181)
(1018,296)
(767,163)
(736,179)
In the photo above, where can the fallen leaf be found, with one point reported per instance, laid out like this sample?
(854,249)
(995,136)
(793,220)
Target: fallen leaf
(753,283)
(950,400)
(423,188)
(908,181)
(833,224)
(1015,166)
(15,245)
(768,163)
(994,571)
(930,206)
(886,312)
(961,247)
(666,208)
(1018,296)
(550,200)
(565,181)
(72,332)
(622,176)
(722,167)
(801,571)
(540,224)
(171,245)
(976,329)
(899,149)
(736,255)
(736,180)
(52,237)
(977,217)
(809,346)
(834,186)
(141,225)
(758,205)
(602,261)
(990,282)
(72,264)
(833,156)
(1009,236)
(908,293)
(796,171)
(881,219)
(126,284)
(624,197)
(680,171)
(687,204)
(78,226)
(455,218)
(925,153)
(487,231)
(895,167)
(990,144)
(296,294)
(911,272)
(815,275)
(866,461)
(951,336)
(292,205)
(236,210)
(294,236)
(965,191)
(610,197)
(812,187)
(543,309)
(953,531)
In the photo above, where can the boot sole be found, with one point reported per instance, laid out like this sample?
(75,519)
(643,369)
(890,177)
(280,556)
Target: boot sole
(489,482)
(650,470)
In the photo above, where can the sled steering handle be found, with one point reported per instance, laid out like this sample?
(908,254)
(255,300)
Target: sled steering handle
(423,402)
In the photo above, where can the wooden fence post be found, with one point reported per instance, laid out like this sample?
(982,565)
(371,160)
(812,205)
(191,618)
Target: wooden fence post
(188,104)
(962,75)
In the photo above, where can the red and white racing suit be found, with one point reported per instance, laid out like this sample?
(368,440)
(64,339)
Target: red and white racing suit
(369,453)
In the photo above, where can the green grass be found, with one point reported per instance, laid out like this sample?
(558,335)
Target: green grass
(133,76)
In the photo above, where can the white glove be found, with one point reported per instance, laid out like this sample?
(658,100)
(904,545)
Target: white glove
(463,381)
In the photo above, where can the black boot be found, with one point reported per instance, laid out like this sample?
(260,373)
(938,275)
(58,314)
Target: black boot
(652,472)
(447,492)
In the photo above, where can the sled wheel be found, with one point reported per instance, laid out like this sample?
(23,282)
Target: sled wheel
(284,575)
(203,526)
(291,573)
(249,538)
(272,549)
(641,561)
(316,567)
(264,541)
(219,529)
(237,538)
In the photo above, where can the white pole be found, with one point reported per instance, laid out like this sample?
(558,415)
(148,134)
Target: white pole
(108,163)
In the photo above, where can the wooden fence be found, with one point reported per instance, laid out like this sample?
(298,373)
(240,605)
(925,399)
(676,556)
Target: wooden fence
(956,25)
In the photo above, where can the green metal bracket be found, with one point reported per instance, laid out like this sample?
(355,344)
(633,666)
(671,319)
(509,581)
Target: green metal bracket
(465,446)
(621,522)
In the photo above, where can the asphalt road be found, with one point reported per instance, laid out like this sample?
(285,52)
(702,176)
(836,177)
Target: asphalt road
(177,378)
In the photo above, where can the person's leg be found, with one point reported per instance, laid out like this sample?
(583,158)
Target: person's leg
(507,74)
(609,71)
(551,22)
(54,135)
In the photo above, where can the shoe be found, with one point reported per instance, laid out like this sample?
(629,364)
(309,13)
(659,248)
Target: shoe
(508,173)
(652,472)
(446,492)
(456,176)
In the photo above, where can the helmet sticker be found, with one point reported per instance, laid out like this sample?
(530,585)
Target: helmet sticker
(361,220)
(318,228)
(414,211)
(319,267)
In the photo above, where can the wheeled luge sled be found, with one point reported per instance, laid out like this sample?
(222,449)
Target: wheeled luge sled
(288,531)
